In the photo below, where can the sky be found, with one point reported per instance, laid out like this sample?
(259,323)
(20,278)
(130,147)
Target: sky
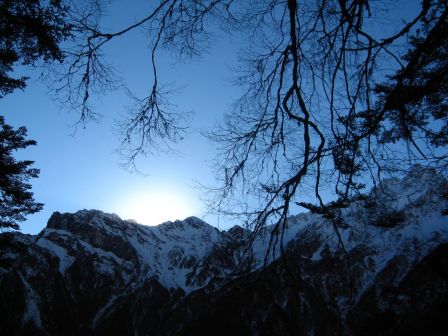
(81,170)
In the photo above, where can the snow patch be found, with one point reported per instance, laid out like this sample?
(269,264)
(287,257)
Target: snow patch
(32,312)
(65,260)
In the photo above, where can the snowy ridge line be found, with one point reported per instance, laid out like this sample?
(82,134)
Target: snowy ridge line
(107,272)
(181,253)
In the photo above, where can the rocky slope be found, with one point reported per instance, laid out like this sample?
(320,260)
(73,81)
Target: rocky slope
(91,273)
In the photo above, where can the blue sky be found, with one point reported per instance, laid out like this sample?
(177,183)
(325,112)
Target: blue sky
(82,171)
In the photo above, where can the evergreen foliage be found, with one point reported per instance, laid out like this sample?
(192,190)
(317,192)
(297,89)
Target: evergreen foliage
(16,199)
(30,30)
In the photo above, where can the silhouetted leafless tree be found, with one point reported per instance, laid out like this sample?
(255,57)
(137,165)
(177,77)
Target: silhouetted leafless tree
(333,96)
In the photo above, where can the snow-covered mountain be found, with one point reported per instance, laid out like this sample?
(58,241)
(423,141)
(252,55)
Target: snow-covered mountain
(384,272)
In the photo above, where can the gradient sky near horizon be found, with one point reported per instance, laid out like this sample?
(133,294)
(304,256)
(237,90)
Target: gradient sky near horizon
(82,170)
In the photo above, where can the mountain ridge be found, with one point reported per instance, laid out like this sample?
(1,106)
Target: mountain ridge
(93,273)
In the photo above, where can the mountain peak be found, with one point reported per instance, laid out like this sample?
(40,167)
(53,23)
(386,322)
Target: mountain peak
(106,272)
(85,220)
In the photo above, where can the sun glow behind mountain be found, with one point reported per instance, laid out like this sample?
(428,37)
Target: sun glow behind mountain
(158,206)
